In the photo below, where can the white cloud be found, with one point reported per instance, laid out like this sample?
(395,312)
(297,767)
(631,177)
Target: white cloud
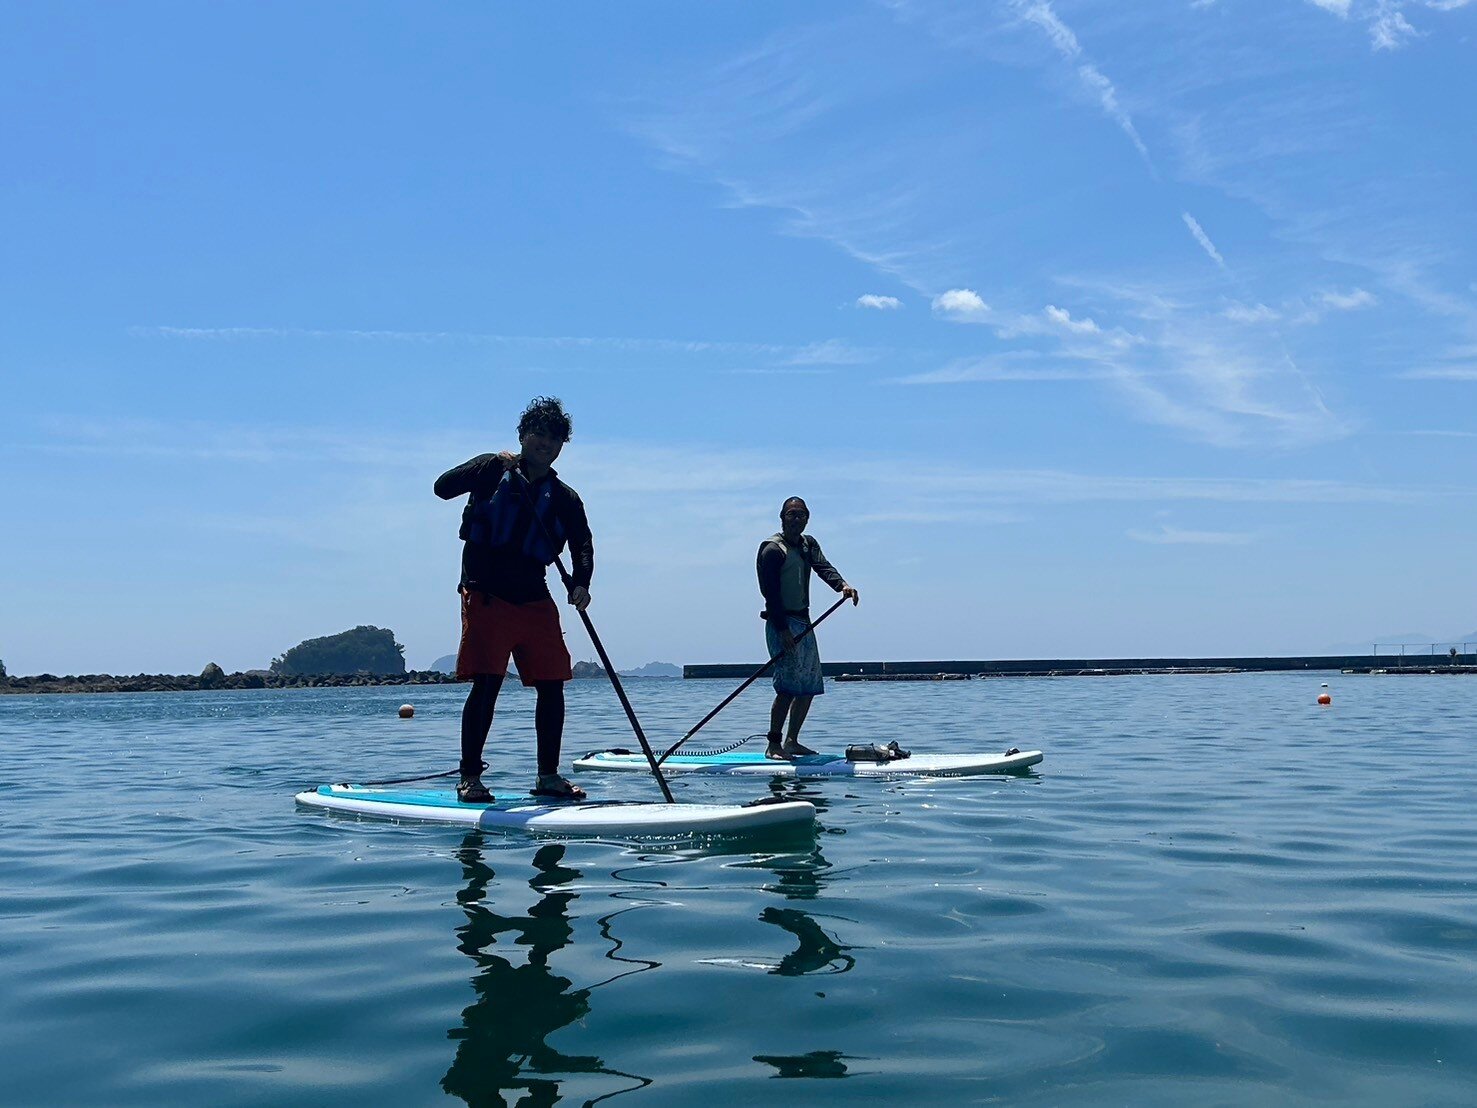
(1203,239)
(1390,30)
(1388,27)
(1255,313)
(1063,319)
(1348,301)
(881,303)
(961,304)
(1174,535)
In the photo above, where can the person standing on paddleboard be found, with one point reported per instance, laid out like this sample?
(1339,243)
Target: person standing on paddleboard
(785,563)
(518,518)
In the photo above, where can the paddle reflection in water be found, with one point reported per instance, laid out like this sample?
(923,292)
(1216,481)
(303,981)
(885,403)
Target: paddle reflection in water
(801,876)
(804,877)
(501,1045)
(817,952)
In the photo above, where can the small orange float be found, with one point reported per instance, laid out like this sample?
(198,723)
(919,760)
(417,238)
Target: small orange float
(407,711)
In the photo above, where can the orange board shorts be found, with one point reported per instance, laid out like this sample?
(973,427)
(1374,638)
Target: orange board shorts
(493,629)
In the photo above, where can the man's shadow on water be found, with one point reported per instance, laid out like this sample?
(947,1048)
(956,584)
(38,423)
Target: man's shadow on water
(501,1044)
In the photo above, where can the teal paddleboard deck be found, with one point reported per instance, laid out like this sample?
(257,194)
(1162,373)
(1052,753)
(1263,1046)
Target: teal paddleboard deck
(561,817)
(818,765)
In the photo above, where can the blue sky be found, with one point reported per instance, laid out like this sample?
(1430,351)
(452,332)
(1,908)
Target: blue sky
(1085,329)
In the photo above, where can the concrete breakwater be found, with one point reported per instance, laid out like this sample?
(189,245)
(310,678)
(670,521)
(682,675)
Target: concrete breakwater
(1112,667)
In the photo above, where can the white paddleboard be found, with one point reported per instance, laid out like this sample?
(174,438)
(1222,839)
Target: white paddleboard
(819,765)
(562,817)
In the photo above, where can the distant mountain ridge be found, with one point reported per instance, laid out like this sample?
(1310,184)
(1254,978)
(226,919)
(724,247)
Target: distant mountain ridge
(653,669)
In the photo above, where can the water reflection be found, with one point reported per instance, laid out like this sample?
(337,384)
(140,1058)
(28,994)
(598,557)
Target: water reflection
(800,877)
(818,1063)
(818,952)
(502,1047)
(800,788)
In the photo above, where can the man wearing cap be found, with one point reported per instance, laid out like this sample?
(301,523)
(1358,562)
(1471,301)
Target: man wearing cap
(785,563)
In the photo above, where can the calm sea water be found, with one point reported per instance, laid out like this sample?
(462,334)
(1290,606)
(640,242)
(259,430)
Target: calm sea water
(1210,892)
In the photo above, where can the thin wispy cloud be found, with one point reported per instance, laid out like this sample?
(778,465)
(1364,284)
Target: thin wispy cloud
(1173,536)
(645,468)
(209,443)
(967,370)
(680,346)
(831,352)
(1302,310)
(1251,313)
(1435,434)
(1198,233)
(1041,13)
(1442,373)
(1213,371)
(939,516)
(880,303)
(1209,378)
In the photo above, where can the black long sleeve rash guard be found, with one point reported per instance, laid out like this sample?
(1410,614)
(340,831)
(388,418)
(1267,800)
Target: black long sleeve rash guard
(505,571)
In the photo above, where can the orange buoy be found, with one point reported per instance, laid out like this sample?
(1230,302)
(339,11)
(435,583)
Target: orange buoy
(1324,698)
(407,710)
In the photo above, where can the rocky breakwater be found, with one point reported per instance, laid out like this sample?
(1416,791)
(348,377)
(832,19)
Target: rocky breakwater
(212,678)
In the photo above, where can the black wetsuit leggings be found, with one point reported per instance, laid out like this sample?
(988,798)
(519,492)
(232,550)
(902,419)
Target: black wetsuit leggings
(548,721)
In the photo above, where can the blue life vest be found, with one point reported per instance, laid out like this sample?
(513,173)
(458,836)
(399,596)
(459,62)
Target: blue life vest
(502,519)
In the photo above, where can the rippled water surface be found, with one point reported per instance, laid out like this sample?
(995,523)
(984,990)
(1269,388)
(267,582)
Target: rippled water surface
(1211,891)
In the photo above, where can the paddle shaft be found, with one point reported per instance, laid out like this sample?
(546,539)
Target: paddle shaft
(760,672)
(615,680)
